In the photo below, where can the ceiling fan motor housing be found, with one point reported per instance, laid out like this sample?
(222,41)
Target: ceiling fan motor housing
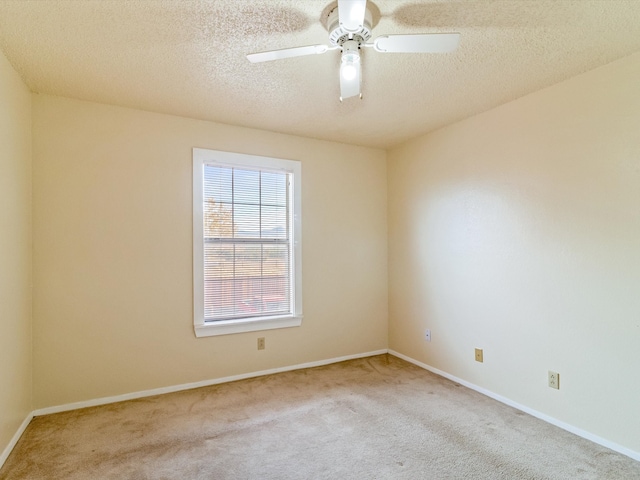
(338,35)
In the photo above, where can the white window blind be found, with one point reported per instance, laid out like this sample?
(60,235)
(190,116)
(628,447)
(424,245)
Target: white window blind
(247,237)
(247,243)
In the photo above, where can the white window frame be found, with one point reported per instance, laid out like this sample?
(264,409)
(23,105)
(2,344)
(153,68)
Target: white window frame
(202,157)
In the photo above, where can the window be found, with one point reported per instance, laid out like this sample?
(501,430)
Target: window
(247,263)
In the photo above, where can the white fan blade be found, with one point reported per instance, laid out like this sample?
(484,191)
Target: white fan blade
(286,53)
(421,43)
(350,78)
(351,14)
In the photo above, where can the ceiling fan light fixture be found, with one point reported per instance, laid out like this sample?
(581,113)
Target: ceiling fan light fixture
(350,63)
(349,24)
(350,70)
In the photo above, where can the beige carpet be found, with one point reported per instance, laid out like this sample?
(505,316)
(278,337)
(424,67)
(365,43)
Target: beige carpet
(373,418)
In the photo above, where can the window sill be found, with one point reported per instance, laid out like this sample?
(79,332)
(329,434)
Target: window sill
(227,327)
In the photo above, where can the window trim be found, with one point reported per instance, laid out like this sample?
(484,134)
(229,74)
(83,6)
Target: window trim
(201,157)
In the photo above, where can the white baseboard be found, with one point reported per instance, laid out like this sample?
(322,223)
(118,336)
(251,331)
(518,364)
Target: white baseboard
(7,451)
(188,386)
(553,421)
(175,388)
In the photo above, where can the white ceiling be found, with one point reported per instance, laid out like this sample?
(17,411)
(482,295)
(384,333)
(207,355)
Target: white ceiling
(188,58)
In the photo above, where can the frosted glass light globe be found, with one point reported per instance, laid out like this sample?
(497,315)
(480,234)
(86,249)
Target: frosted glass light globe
(349,71)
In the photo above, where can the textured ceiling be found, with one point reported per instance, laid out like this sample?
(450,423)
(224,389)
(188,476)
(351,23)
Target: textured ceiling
(188,58)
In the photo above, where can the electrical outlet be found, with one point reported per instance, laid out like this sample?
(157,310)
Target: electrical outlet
(427,335)
(479,355)
(554,380)
(261,343)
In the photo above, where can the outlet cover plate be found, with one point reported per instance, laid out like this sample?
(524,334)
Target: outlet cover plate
(427,335)
(554,380)
(479,355)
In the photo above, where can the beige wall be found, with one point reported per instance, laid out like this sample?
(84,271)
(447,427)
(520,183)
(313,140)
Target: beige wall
(518,231)
(15,252)
(113,246)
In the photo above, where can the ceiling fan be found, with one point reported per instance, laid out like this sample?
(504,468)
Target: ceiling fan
(349,26)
